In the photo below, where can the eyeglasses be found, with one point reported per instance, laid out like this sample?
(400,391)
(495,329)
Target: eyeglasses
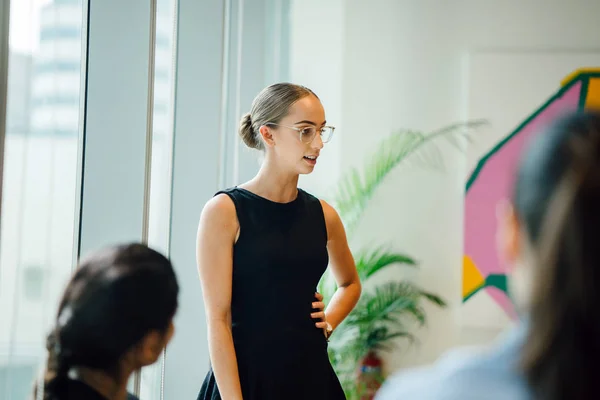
(307,135)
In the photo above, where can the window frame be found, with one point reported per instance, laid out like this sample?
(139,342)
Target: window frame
(4,29)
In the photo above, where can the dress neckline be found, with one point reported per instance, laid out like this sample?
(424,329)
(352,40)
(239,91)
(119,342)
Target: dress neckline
(295,200)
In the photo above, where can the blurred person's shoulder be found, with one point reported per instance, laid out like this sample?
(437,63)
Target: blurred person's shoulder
(465,373)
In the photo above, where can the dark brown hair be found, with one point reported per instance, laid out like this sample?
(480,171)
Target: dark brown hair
(115,298)
(557,200)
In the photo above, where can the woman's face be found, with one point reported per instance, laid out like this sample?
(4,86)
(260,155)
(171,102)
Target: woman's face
(297,149)
(152,346)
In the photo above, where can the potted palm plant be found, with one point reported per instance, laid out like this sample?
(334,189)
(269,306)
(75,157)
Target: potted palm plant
(386,311)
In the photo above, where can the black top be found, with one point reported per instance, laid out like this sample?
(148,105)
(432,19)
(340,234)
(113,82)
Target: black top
(279,257)
(278,260)
(77,390)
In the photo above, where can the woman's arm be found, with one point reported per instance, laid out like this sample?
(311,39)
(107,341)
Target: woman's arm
(217,233)
(343,269)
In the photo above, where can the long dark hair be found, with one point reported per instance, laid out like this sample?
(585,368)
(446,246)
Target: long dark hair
(116,297)
(557,200)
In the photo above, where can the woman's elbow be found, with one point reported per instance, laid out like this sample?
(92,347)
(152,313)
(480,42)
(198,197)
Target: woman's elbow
(218,319)
(358,288)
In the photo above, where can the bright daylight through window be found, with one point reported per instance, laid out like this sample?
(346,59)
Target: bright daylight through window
(40,180)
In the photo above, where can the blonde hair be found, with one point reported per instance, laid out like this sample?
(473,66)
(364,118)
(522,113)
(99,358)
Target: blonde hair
(269,106)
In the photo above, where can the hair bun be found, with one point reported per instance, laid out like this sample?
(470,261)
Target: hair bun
(247,133)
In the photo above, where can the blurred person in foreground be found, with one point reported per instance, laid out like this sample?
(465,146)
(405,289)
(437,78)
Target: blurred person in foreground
(115,316)
(548,236)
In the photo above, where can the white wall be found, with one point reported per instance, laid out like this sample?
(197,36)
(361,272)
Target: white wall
(316,61)
(404,64)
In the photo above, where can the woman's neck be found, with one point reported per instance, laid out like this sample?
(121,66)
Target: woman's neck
(273,184)
(103,383)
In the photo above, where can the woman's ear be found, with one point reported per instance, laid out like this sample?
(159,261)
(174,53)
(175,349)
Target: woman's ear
(150,348)
(267,135)
(508,234)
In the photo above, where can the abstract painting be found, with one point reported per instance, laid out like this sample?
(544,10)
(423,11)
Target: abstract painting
(491,181)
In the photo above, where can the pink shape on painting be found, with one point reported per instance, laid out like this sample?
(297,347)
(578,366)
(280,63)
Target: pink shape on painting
(494,183)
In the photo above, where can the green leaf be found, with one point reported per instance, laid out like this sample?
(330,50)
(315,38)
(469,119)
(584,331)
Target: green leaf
(436,300)
(384,303)
(368,262)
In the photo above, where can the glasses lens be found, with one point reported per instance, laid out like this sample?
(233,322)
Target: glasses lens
(326,134)
(308,134)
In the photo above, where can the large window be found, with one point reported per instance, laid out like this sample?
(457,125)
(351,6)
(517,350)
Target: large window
(40,183)
(122,123)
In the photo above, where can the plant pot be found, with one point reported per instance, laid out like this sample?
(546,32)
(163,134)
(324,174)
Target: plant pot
(369,376)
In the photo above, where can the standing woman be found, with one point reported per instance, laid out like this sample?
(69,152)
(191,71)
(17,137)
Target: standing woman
(262,249)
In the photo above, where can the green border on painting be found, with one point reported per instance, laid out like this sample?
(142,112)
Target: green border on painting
(498,281)
(584,92)
(584,77)
(473,292)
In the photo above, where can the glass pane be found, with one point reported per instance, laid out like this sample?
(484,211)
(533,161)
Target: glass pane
(162,145)
(40,181)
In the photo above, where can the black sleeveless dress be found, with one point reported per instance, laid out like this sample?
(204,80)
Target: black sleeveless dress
(278,259)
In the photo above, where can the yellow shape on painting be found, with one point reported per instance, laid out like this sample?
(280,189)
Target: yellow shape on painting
(472,278)
(592,100)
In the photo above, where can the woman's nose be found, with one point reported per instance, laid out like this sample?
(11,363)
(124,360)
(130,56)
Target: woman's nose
(317,142)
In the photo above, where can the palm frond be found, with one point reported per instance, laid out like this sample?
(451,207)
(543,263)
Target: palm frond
(381,338)
(458,140)
(368,262)
(386,303)
(434,299)
(404,147)
(380,316)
